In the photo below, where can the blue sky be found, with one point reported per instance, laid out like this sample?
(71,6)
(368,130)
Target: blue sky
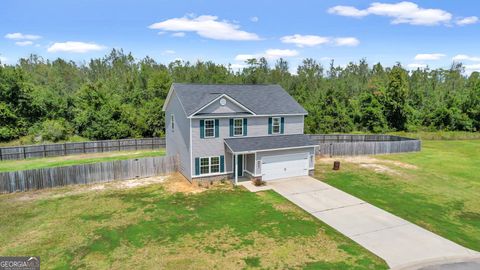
(416,33)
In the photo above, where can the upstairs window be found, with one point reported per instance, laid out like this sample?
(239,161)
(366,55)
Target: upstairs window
(238,127)
(276,125)
(172,122)
(209,128)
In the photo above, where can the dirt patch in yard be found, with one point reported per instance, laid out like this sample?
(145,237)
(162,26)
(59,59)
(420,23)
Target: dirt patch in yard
(374,164)
(178,183)
(60,192)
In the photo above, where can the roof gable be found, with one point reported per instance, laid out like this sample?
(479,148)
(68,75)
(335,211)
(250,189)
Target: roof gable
(259,99)
(230,106)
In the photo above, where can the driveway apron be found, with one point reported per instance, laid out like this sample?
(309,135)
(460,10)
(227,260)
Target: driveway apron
(399,242)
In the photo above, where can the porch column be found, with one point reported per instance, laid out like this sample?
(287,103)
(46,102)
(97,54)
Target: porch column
(236,169)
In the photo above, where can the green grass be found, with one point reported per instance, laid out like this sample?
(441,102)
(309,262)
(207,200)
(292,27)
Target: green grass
(441,194)
(148,227)
(440,135)
(37,163)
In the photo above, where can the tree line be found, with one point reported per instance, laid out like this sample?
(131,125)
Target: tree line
(117,96)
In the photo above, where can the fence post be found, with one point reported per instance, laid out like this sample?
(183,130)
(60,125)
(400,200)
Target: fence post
(1,155)
(136,144)
(84,150)
(44,150)
(24,154)
(65,149)
(118,145)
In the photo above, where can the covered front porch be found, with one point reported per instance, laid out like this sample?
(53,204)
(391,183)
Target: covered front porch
(270,157)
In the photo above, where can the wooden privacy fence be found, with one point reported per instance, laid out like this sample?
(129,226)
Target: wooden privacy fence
(86,173)
(355,145)
(65,149)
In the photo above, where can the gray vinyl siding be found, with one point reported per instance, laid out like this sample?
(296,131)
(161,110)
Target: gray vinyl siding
(310,150)
(257,126)
(250,163)
(178,141)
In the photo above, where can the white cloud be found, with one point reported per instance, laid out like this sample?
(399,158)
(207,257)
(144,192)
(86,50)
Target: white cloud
(464,57)
(269,54)
(278,53)
(305,40)
(75,47)
(347,11)
(402,12)
(168,52)
(24,43)
(467,20)
(254,19)
(346,41)
(206,26)
(428,56)
(3,60)
(473,67)
(237,66)
(20,36)
(312,40)
(416,66)
(245,57)
(178,34)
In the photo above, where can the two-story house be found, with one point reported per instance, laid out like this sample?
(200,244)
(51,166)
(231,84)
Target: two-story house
(237,132)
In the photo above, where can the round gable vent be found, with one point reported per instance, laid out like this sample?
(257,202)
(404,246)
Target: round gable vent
(223,101)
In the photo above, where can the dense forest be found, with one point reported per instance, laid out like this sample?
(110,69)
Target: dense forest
(118,96)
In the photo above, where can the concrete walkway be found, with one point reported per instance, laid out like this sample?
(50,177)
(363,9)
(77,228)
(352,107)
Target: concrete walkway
(400,243)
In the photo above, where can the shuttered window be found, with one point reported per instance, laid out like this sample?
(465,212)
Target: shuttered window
(209,165)
(276,123)
(238,127)
(209,128)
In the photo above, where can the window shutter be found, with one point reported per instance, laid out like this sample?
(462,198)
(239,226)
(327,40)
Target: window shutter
(282,125)
(197,166)
(270,125)
(217,128)
(231,127)
(222,163)
(202,129)
(245,125)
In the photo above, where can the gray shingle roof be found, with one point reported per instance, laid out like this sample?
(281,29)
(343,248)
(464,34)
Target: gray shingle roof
(260,99)
(247,144)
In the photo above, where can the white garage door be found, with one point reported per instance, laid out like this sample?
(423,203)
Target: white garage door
(282,166)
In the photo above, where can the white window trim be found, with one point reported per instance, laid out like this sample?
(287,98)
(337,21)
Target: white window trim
(279,125)
(205,128)
(209,166)
(241,134)
(172,122)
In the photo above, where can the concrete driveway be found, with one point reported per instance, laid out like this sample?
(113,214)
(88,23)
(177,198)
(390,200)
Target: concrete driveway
(400,243)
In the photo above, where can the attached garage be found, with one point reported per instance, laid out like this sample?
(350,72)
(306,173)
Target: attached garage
(271,157)
(282,166)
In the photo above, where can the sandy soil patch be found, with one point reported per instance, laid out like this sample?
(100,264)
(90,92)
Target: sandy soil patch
(374,164)
(75,190)
(178,183)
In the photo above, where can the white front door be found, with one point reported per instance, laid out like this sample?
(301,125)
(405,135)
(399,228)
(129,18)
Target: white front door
(282,166)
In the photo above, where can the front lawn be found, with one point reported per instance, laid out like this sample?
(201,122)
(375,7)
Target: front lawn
(37,163)
(154,227)
(438,188)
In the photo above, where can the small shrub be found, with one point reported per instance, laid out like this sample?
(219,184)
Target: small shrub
(55,130)
(258,182)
